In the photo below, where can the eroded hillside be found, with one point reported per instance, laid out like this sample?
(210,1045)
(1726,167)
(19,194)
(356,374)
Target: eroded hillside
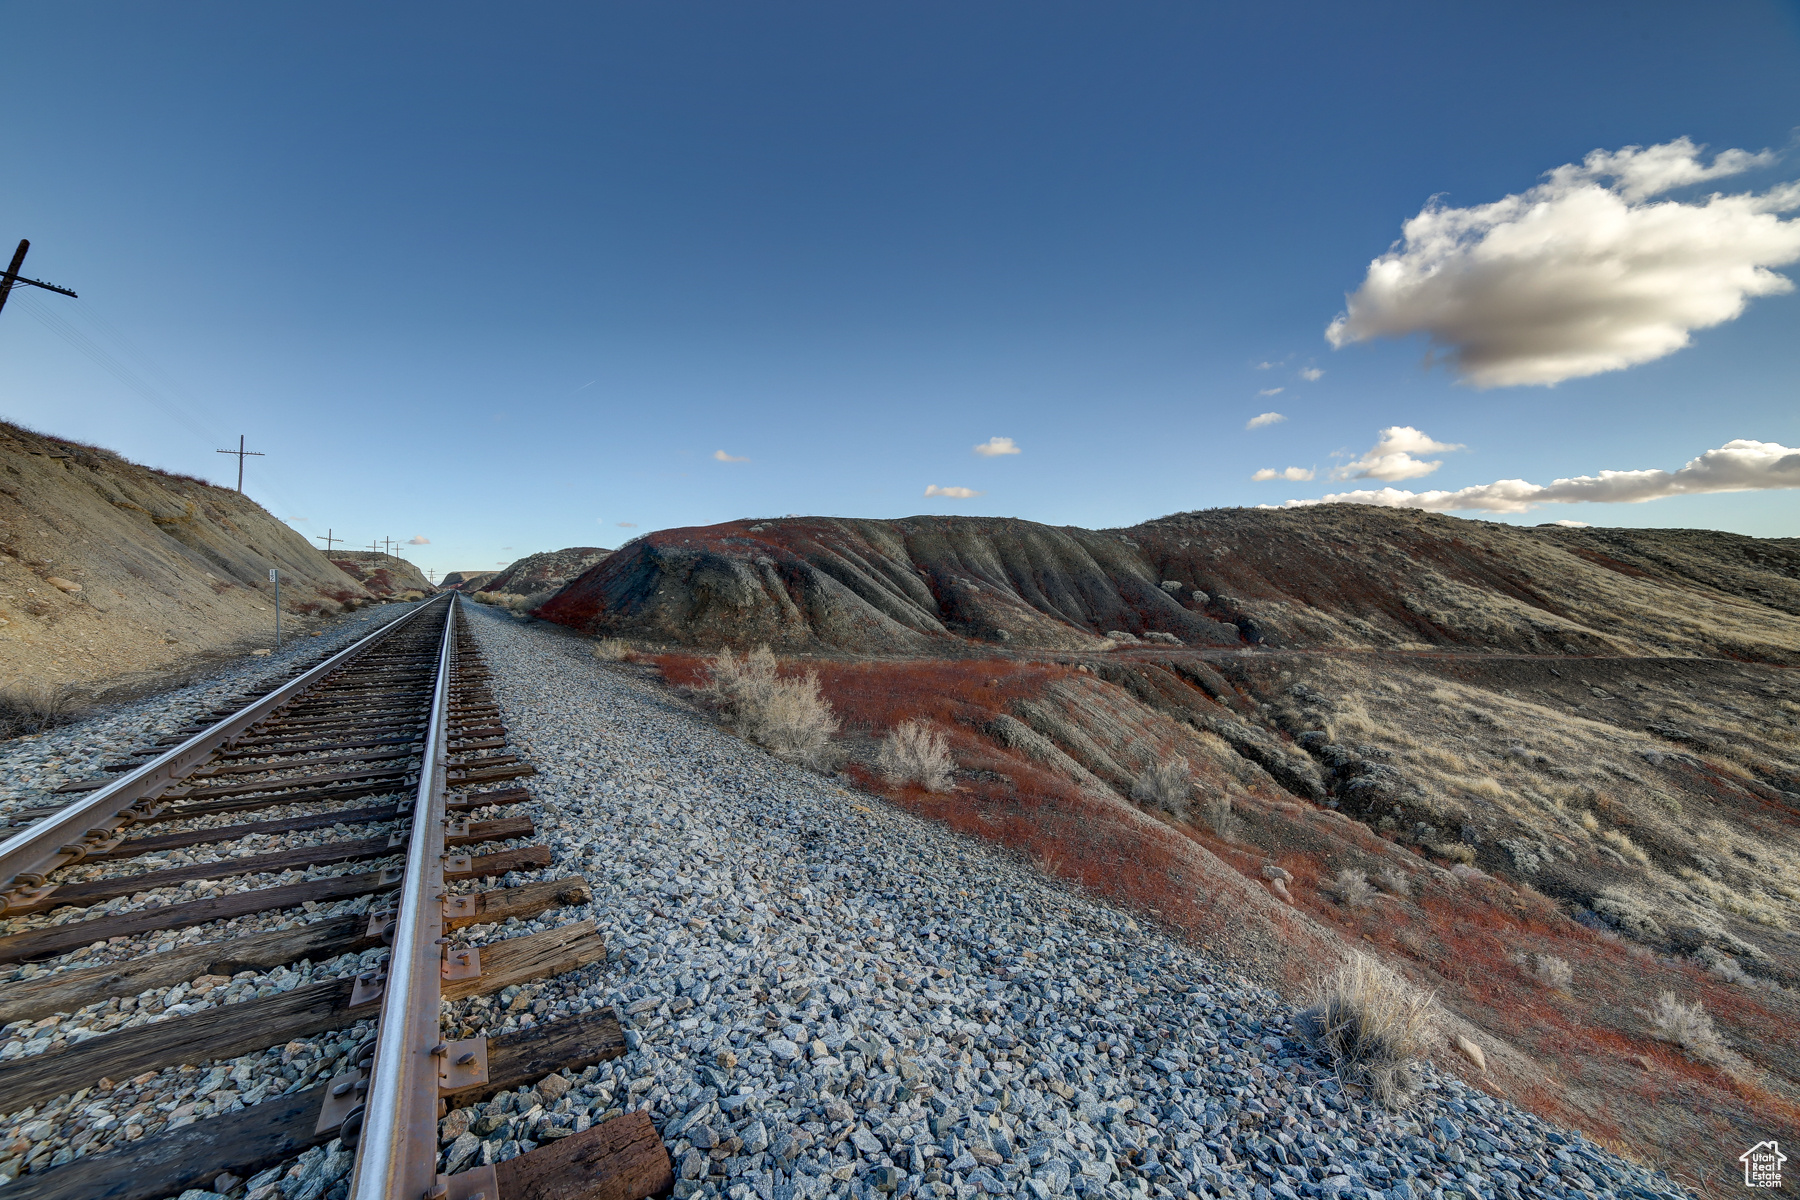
(1338,576)
(109,569)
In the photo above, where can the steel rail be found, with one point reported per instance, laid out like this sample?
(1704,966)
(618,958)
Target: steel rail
(396,1155)
(92,824)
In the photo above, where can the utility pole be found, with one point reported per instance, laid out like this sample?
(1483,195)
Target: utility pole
(12,276)
(241,455)
(327,539)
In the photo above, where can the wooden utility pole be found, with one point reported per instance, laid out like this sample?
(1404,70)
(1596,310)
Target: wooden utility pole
(327,539)
(241,455)
(12,276)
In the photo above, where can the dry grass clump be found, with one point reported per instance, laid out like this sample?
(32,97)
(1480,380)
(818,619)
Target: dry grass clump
(1221,820)
(914,752)
(1549,970)
(1679,1023)
(611,649)
(1351,887)
(1396,882)
(1373,1025)
(1165,785)
(36,707)
(788,717)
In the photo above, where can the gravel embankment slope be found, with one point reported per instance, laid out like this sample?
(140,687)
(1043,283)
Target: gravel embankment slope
(826,996)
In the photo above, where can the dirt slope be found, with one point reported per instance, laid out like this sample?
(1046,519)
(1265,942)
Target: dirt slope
(108,568)
(385,575)
(1335,576)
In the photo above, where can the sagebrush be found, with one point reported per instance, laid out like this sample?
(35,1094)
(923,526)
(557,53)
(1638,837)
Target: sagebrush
(611,649)
(36,707)
(1689,1026)
(914,752)
(1165,785)
(786,716)
(1352,888)
(1374,1026)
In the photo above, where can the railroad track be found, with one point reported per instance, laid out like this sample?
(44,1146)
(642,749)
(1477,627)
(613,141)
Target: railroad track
(395,737)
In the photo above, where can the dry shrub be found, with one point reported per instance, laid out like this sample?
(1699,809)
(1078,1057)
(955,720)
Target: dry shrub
(1679,1023)
(1351,887)
(1165,785)
(611,650)
(1221,820)
(36,707)
(1458,852)
(1396,882)
(788,717)
(914,752)
(1552,972)
(1373,1025)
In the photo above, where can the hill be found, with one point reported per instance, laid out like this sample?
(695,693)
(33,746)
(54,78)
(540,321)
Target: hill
(385,575)
(1338,577)
(537,575)
(109,568)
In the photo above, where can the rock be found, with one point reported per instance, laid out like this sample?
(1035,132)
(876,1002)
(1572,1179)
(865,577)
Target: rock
(67,585)
(1171,586)
(783,1050)
(837,1109)
(1272,872)
(260,653)
(1471,1051)
(553,1088)
(884,1179)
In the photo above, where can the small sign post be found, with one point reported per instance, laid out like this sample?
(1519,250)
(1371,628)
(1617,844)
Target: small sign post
(275,578)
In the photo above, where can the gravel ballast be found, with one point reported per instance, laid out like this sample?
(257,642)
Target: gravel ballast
(826,996)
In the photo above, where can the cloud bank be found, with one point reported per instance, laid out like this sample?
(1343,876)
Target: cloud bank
(955,493)
(1261,419)
(998,445)
(1291,474)
(1737,466)
(1392,459)
(1584,273)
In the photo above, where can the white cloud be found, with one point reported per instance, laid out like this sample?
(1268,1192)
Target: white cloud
(724,457)
(1269,366)
(1291,474)
(1261,419)
(1271,391)
(1567,524)
(1737,466)
(996,446)
(955,493)
(1311,374)
(418,540)
(1391,458)
(628,525)
(1584,273)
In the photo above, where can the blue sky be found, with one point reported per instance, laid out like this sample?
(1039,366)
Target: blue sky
(509,277)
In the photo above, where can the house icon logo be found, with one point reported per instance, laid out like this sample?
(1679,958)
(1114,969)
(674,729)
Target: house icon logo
(1762,1165)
